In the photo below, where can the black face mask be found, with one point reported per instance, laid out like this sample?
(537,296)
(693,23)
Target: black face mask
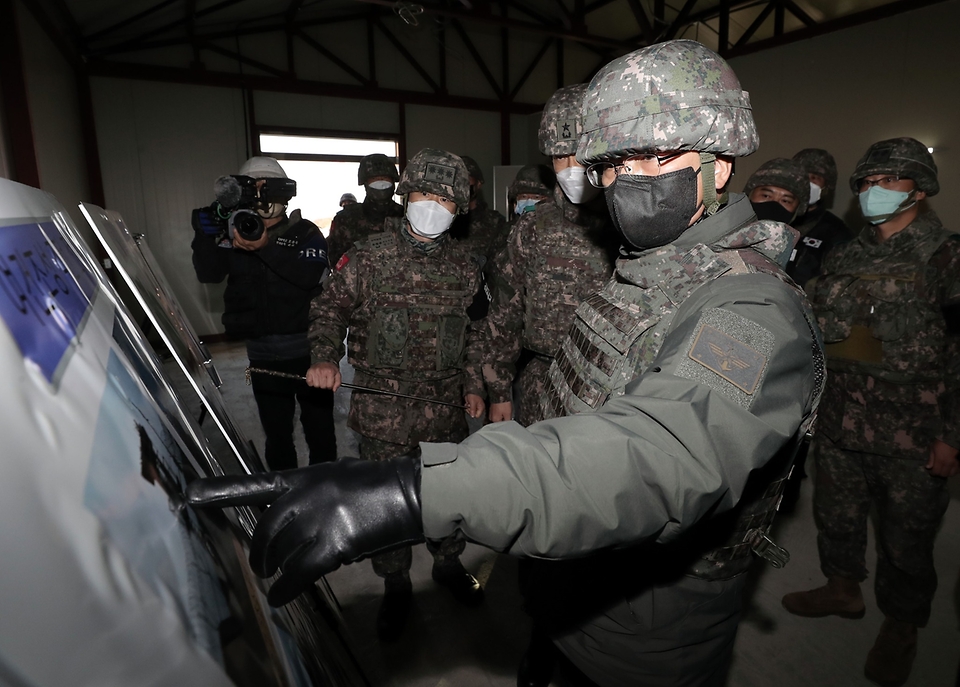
(379,195)
(652,211)
(771,209)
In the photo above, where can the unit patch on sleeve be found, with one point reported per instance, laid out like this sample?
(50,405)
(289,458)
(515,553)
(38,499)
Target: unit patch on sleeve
(729,353)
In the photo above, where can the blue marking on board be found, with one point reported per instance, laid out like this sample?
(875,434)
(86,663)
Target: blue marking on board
(45,290)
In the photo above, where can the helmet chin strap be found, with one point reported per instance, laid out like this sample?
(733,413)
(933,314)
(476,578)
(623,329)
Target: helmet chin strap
(711,203)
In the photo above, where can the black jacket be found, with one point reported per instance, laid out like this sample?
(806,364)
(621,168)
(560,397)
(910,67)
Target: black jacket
(820,231)
(269,290)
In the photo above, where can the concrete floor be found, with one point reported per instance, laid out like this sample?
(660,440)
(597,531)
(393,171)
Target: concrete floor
(447,645)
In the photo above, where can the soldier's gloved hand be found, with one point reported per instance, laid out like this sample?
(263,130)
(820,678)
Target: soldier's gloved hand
(322,516)
(210,220)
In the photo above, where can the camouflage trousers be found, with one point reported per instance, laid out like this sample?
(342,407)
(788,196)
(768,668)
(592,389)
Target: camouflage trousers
(530,386)
(910,505)
(394,563)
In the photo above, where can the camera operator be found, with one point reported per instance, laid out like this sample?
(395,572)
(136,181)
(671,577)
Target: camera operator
(274,266)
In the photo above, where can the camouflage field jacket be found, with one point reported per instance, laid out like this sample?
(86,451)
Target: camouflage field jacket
(888,313)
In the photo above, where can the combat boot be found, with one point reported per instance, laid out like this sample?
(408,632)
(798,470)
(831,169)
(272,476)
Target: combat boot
(891,658)
(839,596)
(392,616)
(461,584)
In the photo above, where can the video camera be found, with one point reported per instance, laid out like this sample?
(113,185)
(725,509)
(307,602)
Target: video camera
(238,199)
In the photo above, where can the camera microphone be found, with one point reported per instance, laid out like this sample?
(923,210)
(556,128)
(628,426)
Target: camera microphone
(227,191)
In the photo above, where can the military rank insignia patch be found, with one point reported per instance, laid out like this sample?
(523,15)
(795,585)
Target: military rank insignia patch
(442,174)
(567,129)
(729,353)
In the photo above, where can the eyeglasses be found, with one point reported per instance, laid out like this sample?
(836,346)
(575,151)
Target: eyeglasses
(599,173)
(887,182)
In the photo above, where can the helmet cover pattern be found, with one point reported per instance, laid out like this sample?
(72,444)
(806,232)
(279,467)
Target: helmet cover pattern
(376,165)
(819,161)
(904,157)
(782,173)
(439,172)
(562,121)
(472,167)
(536,179)
(677,95)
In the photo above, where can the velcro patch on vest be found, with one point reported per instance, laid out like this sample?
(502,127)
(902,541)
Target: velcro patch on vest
(441,174)
(381,242)
(341,263)
(729,353)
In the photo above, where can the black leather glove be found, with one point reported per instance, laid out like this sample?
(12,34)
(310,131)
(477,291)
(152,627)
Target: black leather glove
(322,516)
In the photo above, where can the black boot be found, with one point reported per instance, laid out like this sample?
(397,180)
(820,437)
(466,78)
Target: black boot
(392,616)
(537,665)
(461,584)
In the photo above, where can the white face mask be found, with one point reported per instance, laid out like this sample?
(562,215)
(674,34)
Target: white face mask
(814,194)
(573,181)
(428,218)
(381,185)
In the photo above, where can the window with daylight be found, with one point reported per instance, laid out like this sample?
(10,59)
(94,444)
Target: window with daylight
(324,167)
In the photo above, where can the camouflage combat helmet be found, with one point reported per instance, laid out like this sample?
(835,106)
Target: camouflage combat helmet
(536,179)
(472,167)
(819,161)
(786,174)
(440,172)
(677,95)
(376,165)
(904,157)
(562,123)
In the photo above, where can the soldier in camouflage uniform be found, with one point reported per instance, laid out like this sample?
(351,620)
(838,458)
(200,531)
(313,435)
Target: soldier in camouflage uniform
(676,400)
(820,230)
(377,174)
(482,231)
(888,304)
(555,255)
(403,294)
(531,185)
(778,190)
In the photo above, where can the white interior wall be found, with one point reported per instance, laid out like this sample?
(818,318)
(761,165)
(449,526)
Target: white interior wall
(161,147)
(845,90)
(55,115)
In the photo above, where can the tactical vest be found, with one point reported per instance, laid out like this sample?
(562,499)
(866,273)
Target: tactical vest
(879,310)
(615,337)
(411,324)
(566,267)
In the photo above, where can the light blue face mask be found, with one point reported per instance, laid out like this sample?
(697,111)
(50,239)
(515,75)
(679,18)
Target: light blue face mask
(525,205)
(879,204)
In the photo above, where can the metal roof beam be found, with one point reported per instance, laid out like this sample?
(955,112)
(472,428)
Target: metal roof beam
(477,57)
(757,23)
(401,48)
(533,65)
(316,45)
(284,84)
(680,21)
(496,20)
